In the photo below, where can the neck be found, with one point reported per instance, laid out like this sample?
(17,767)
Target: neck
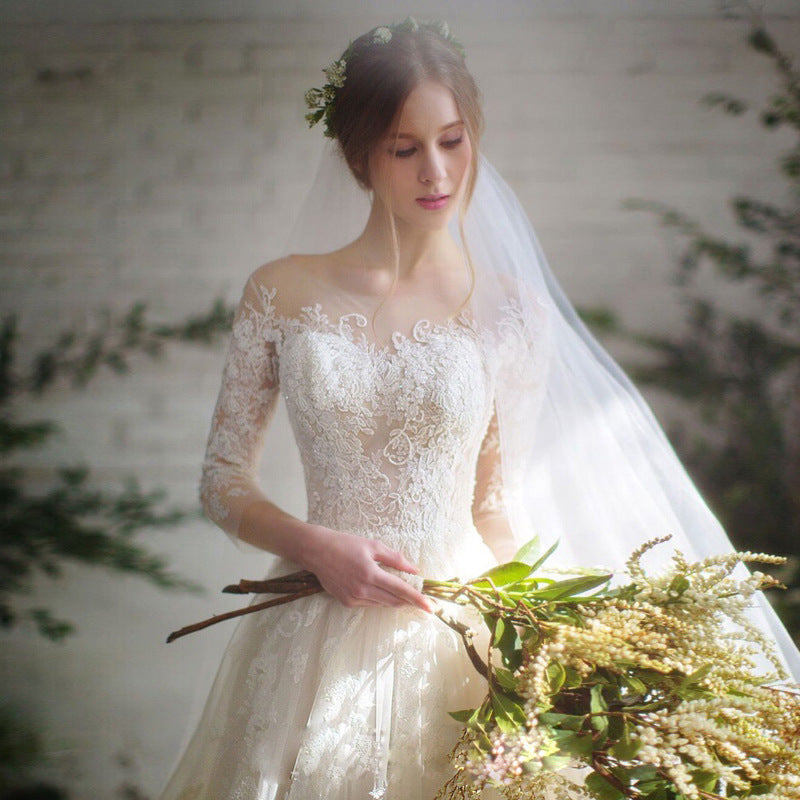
(419,249)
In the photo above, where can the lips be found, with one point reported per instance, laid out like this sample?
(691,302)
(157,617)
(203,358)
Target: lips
(433,201)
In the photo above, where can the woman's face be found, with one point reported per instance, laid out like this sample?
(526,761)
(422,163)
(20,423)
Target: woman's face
(422,175)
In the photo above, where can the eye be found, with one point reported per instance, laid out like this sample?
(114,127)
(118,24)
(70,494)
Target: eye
(450,144)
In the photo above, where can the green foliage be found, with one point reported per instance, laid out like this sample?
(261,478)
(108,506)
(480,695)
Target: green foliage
(72,520)
(740,373)
(20,748)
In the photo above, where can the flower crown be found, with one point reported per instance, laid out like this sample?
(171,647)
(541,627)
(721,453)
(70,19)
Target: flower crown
(321,100)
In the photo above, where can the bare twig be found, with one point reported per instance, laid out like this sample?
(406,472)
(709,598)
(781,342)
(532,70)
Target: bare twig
(240,612)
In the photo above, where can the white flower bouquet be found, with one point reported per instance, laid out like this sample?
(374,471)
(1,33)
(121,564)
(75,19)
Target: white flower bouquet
(649,689)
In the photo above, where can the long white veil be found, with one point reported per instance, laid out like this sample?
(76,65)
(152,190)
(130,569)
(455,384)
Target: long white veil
(584,459)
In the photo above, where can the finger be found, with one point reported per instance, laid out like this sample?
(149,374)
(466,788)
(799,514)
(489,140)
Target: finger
(374,596)
(391,558)
(408,594)
(384,598)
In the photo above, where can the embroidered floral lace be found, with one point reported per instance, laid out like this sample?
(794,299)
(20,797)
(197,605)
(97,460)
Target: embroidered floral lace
(397,441)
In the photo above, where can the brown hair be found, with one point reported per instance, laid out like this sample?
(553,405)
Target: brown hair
(379,77)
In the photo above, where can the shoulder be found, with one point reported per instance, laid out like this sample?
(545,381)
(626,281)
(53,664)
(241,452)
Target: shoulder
(514,292)
(287,283)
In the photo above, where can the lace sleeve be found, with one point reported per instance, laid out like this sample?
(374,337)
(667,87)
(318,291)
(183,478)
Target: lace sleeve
(489,498)
(489,505)
(245,406)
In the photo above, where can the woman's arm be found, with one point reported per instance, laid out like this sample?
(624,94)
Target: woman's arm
(489,512)
(246,403)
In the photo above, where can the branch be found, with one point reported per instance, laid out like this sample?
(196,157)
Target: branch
(240,612)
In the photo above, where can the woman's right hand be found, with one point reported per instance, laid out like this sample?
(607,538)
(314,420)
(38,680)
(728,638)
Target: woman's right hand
(349,568)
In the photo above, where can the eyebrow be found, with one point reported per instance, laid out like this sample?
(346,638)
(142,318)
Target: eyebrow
(441,130)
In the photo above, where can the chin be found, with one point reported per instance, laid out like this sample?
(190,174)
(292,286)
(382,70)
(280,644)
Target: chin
(436,224)
(430,221)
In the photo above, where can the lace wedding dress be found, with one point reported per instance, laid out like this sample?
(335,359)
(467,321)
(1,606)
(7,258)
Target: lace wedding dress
(399,442)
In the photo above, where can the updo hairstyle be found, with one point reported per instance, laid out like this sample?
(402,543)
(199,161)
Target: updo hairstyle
(379,77)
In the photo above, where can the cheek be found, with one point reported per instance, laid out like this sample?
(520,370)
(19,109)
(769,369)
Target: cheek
(464,160)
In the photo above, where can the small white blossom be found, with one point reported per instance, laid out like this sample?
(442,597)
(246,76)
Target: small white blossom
(382,35)
(335,73)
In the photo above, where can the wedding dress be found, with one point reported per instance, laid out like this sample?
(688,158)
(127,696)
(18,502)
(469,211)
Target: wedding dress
(510,408)
(398,442)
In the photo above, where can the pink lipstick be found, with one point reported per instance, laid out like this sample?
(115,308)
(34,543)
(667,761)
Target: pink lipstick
(433,201)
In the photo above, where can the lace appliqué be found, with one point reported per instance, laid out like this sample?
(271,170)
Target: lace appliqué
(400,443)
(379,427)
(245,405)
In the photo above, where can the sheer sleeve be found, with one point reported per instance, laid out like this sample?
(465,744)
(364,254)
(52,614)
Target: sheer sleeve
(245,406)
(489,498)
(489,509)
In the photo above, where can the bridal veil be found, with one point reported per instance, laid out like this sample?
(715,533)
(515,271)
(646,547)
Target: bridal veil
(585,461)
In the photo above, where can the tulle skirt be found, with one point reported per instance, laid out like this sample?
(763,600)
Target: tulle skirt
(315,700)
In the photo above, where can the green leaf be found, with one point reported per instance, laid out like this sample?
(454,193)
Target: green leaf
(573,678)
(634,684)
(554,763)
(505,677)
(570,615)
(499,630)
(697,675)
(597,705)
(571,722)
(571,586)
(616,727)
(597,702)
(462,716)
(480,718)
(556,674)
(503,574)
(577,744)
(505,724)
(601,788)
(705,780)
(626,748)
(528,553)
(656,790)
(539,561)
(505,706)
(509,644)
(643,772)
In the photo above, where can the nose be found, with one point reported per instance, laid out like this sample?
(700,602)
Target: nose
(432,169)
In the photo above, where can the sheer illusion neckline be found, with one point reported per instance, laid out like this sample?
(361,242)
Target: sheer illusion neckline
(312,318)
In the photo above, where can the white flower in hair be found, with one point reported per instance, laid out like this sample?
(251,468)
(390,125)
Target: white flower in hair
(442,28)
(336,72)
(382,35)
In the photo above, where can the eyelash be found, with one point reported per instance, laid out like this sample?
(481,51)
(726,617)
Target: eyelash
(452,143)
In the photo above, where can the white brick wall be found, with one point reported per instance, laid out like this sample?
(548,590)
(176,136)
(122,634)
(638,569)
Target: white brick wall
(172,171)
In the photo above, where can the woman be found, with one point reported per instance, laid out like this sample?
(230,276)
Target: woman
(447,404)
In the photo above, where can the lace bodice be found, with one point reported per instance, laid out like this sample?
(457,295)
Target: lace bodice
(397,442)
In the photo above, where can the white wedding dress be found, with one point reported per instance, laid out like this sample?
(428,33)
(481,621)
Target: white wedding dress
(398,441)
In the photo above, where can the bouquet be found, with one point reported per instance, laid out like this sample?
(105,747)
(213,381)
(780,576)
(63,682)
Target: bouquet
(647,689)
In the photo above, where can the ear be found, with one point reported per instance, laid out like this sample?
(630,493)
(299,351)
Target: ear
(361,172)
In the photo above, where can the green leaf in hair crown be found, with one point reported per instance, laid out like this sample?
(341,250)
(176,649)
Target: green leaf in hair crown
(321,100)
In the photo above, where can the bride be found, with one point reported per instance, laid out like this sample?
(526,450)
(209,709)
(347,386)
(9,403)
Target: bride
(447,404)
